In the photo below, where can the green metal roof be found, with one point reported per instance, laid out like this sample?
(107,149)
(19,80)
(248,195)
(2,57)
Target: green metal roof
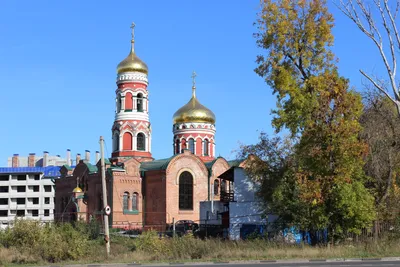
(92,168)
(155,165)
(235,162)
(209,164)
(114,167)
(67,167)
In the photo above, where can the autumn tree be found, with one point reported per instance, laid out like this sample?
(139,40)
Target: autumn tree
(381,130)
(378,20)
(325,179)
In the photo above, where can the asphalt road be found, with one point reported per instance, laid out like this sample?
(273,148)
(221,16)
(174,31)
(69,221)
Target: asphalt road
(348,263)
(307,264)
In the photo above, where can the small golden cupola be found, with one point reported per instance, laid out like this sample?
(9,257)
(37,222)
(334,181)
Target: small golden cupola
(132,63)
(194,128)
(193,111)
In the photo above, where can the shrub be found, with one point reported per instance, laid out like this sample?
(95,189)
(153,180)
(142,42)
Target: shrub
(49,242)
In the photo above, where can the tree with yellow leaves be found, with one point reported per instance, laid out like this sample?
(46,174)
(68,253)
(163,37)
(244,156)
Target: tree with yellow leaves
(323,183)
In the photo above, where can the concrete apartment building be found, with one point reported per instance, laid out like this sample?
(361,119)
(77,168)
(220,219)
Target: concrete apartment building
(27,187)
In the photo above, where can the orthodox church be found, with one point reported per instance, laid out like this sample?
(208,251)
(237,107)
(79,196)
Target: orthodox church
(142,191)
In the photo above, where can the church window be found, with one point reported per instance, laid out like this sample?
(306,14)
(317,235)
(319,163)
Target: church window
(125,201)
(216,187)
(186,191)
(127,141)
(115,142)
(141,142)
(128,102)
(177,146)
(191,145)
(205,148)
(118,103)
(183,145)
(135,201)
(139,102)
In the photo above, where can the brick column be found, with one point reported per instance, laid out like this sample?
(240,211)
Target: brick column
(15,160)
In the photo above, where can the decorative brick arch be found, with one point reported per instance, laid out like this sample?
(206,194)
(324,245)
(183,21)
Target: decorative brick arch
(186,170)
(196,159)
(220,161)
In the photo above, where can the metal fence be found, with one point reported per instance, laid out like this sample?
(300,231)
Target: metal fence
(202,229)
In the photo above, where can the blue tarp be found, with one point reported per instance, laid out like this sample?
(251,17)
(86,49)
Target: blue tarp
(291,235)
(49,171)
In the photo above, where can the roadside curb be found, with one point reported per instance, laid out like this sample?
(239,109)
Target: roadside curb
(272,262)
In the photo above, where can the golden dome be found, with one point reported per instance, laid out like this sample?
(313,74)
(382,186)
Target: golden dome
(132,62)
(193,111)
(77,190)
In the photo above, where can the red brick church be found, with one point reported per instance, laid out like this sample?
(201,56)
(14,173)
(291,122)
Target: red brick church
(143,191)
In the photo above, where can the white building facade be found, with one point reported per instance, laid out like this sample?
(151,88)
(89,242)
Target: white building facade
(27,192)
(238,205)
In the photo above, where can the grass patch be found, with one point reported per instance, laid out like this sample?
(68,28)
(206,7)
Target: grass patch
(29,242)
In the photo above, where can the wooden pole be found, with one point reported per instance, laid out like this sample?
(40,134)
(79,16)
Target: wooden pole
(103,183)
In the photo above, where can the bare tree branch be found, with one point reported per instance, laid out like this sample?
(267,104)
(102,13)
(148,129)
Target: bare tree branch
(388,31)
(392,20)
(361,14)
(377,86)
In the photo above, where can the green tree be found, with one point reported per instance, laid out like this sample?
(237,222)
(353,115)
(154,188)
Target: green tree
(323,182)
(296,36)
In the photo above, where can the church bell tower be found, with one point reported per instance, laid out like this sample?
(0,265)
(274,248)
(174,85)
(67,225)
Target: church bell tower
(131,131)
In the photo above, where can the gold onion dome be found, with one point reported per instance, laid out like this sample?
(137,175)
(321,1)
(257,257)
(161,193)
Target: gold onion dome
(193,111)
(132,62)
(77,190)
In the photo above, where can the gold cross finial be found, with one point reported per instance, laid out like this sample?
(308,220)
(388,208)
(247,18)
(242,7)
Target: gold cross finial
(133,38)
(194,83)
(194,75)
(133,31)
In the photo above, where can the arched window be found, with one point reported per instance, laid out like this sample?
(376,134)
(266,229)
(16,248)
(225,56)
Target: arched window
(125,201)
(216,187)
(177,146)
(183,145)
(115,142)
(186,191)
(191,145)
(127,141)
(139,102)
(205,147)
(135,201)
(118,103)
(141,142)
(128,101)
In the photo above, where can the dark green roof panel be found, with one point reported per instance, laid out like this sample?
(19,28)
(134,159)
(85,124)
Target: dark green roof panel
(235,162)
(155,165)
(92,168)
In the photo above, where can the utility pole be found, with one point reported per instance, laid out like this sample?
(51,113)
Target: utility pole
(106,209)
(173,227)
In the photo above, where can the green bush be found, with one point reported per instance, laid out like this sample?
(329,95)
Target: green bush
(48,242)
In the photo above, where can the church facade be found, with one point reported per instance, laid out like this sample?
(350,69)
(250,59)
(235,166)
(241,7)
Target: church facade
(143,191)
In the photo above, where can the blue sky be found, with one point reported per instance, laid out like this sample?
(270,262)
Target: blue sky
(58,67)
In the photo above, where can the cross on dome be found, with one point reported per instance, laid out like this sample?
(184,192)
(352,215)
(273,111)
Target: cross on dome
(133,31)
(194,75)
